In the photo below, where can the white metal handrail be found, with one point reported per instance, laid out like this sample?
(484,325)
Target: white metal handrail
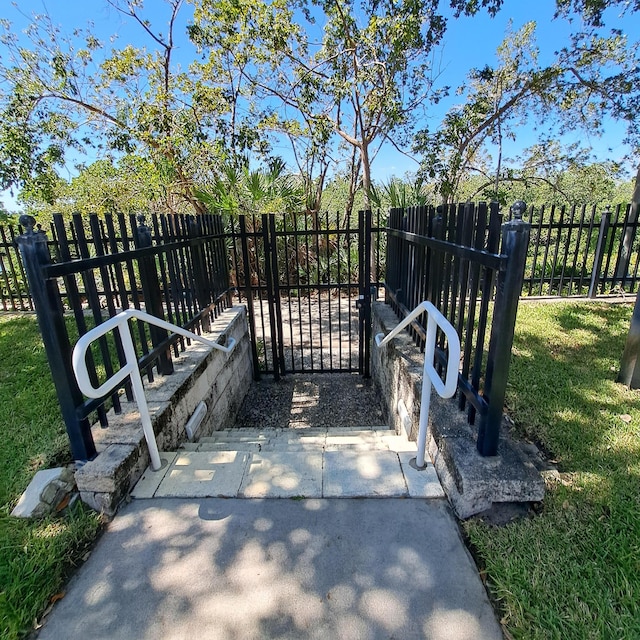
(130,368)
(445,389)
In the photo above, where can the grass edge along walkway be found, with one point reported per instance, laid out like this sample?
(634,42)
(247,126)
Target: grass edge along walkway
(36,557)
(573,570)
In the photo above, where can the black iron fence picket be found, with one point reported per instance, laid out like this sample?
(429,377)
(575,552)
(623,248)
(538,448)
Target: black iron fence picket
(580,251)
(175,268)
(470,266)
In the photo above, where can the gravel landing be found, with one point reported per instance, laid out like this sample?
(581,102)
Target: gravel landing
(301,401)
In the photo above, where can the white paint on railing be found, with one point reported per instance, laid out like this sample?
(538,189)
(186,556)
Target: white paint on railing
(130,367)
(445,389)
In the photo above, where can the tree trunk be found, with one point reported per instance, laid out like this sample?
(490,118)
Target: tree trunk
(366,174)
(630,363)
(354,174)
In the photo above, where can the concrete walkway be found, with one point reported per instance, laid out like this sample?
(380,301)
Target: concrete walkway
(214,568)
(317,563)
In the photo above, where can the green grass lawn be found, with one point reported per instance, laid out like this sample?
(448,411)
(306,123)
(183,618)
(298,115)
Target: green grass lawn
(35,557)
(570,571)
(573,570)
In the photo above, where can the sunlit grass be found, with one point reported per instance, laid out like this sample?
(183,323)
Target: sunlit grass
(35,557)
(572,571)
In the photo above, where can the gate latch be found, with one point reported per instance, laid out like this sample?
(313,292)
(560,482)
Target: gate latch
(373,296)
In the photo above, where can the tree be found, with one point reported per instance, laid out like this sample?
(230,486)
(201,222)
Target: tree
(550,173)
(496,100)
(593,79)
(130,185)
(402,193)
(364,78)
(592,10)
(60,93)
(5,215)
(242,190)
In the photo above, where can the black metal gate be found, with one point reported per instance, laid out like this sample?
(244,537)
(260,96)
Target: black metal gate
(308,282)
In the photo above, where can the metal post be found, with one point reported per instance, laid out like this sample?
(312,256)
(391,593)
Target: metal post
(152,295)
(269,276)
(200,275)
(248,293)
(515,241)
(600,250)
(275,275)
(630,362)
(364,298)
(46,298)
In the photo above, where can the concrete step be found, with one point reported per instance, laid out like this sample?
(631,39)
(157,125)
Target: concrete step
(302,440)
(391,445)
(290,463)
(246,434)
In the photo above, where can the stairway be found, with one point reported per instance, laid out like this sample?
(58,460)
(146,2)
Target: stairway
(321,462)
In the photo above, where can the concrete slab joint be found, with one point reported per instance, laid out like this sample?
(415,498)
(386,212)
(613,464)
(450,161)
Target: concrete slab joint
(201,374)
(473,483)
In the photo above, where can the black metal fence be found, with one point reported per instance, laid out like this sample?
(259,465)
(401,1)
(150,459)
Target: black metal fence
(574,251)
(14,288)
(184,269)
(470,266)
(580,251)
(175,268)
(307,281)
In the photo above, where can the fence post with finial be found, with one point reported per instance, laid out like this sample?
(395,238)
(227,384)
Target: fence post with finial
(515,242)
(152,293)
(46,298)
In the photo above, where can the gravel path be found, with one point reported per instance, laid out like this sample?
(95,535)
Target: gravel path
(319,333)
(312,400)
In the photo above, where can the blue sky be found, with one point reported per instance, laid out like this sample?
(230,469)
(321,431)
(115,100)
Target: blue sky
(468,43)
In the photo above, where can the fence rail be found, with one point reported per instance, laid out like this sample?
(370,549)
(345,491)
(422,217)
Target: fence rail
(176,269)
(581,251)
(573,251)
(469,265)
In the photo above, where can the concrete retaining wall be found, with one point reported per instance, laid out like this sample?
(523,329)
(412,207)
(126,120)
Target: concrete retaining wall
(201,374)
(473,483)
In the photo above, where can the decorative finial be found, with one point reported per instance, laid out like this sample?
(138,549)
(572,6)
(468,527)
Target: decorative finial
(28,222)
(518,209)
